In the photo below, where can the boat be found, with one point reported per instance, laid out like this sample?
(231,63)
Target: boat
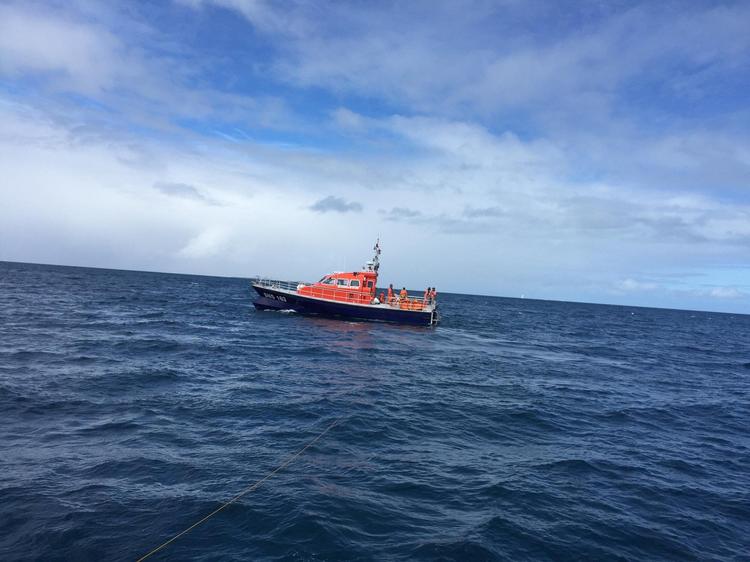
(349,295)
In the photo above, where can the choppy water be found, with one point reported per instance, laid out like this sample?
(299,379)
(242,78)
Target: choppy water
(132,404)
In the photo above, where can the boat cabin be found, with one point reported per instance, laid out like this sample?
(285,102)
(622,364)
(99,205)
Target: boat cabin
(354,287)
(358,287)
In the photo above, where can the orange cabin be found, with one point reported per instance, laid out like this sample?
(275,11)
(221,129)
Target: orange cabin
(356,287)
(353,287)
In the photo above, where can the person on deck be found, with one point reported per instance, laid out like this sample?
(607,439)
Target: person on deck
(403,295)
(433,294)
(390,293)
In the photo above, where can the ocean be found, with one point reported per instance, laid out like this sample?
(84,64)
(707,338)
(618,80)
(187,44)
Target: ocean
(133,404)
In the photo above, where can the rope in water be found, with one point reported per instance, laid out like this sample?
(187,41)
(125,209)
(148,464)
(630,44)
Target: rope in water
(246,491)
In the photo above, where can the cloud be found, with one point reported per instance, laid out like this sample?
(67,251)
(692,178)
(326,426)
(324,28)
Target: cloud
(399,213)
(348,119)
(207,243)
(633,285)
(486,212)
(337,204)
(668,288)
(106,64)
(727,293)
(82,56)
(182,190)
(447,223)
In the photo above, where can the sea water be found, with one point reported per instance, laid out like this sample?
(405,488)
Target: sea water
(133,404)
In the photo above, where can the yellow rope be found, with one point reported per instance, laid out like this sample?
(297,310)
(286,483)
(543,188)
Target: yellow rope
(247,490)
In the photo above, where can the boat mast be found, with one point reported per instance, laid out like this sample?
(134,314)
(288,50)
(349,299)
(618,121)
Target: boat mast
(376,257)
(374,263)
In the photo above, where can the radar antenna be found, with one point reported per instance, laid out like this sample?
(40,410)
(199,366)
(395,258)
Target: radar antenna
(374,263)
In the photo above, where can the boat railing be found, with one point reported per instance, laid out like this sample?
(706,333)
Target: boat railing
(352,295)
(411,302)
(339,293)
(276,283)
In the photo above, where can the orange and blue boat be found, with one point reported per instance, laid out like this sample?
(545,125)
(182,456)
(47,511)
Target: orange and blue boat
(351,295)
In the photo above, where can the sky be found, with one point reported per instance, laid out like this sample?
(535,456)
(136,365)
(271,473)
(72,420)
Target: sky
(584,151)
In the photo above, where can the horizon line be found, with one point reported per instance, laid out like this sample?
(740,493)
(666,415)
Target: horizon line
(443,292)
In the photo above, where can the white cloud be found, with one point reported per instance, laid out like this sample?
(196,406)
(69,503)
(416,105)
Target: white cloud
(126,69)
(633,285)
(180,190)
(668,291)
(208,243)
(348,119)
(727,293)
(336,204)
(81,56)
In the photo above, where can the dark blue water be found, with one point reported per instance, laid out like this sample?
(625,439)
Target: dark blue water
(132,404)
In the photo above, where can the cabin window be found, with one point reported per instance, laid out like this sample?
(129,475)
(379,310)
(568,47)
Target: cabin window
(327,281)
(342,282)
(369,284)
(354,283)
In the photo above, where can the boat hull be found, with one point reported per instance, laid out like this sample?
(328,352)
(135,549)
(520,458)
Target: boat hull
(279,299)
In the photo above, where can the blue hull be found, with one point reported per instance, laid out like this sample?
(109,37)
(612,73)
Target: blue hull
(273,299)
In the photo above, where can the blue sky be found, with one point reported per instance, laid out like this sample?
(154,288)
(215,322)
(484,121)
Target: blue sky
(562,150)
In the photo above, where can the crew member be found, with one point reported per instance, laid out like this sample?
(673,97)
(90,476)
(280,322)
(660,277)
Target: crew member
(390,293)
(403,298)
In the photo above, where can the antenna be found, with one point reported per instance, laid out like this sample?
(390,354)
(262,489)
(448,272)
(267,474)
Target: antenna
(374,263)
